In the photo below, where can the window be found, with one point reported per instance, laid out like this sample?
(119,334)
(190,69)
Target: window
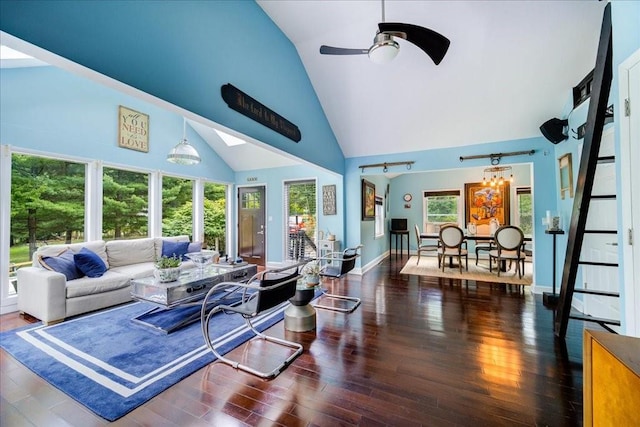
(525,212)
(215,216)
(379,229)
(441,207)
(177,206)
(125,204)
(300,211)
(47,206)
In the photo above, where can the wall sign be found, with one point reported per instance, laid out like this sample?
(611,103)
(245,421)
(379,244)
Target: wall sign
(328,199)
(133,129)
(244,104)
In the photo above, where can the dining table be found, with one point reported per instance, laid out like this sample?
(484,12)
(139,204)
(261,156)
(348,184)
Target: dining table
(474,237)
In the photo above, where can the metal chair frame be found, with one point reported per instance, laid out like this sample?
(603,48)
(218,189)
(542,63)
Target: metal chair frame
(345,258)
(259,294)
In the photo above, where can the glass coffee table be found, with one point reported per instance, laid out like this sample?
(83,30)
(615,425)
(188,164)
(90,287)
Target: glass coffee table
(178,303)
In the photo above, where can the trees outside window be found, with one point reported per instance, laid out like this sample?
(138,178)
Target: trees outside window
(215,216)
(177,206)
(442,207)
(525,211)
(125,204)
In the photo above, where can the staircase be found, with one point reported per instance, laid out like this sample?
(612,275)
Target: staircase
(583,197)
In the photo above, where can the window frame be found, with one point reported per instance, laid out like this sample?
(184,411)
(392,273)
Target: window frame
(426,194)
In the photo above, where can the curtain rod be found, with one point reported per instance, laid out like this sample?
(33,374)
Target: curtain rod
(385,166)
(495,158)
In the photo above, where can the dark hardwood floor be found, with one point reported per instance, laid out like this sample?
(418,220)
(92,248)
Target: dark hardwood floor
(418,351)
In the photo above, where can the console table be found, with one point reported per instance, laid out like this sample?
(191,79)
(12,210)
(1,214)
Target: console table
(402,234)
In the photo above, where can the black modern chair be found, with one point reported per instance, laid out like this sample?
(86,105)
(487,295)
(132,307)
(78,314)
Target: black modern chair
(336,265)
(263,292)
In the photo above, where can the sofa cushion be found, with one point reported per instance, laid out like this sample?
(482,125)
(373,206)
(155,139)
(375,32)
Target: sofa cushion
(90,286)
(89,263)
(174,249)
(96,246)
(160,240)
(125,252)
(63,263)
(135,271)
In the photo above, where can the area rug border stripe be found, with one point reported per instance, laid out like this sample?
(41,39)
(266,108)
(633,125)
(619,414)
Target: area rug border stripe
(86,376)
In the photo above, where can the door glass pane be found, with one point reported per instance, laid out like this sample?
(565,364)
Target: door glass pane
(177,206)
(125,204)
(47,206)
(215,216)
(300,205)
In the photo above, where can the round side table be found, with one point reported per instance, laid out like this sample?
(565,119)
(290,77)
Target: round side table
(300,316)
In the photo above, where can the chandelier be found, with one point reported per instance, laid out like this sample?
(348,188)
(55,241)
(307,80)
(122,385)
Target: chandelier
(497,175)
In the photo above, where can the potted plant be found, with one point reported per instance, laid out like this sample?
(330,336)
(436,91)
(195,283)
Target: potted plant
(311,272)
(167,268)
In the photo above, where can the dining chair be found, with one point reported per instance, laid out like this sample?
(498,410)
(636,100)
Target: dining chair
(424,247)
(508,239)
(451,245)
(483,246)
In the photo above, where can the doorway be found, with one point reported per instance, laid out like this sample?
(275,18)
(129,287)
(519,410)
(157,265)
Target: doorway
(251,224)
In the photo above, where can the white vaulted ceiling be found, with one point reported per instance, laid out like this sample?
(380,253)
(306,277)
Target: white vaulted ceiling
(510,67)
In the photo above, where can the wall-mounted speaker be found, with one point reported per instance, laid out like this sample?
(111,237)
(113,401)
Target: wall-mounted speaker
(553,130)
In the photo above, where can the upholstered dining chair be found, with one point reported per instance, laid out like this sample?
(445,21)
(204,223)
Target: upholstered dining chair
(508,239)
(262,293)
(336,265)
(422,246)
(483,246)
(451,245)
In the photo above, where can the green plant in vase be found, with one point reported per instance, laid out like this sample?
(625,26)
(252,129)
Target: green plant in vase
(167,268)
(311,272)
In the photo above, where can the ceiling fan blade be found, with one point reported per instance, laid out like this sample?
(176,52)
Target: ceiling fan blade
(433,44)
(330,50)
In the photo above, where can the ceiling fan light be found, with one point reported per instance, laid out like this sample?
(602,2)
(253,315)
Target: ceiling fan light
(384,49)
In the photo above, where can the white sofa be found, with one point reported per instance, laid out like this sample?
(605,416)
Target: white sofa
(50,297)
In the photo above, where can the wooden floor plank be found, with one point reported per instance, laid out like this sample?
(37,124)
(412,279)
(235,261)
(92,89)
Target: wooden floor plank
(418,351)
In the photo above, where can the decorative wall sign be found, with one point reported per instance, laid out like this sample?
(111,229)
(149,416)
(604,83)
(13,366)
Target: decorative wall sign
(244,104)
(328,199)
(133,129)
(368,200)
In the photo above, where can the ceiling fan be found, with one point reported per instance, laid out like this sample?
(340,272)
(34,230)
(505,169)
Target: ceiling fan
(385,48)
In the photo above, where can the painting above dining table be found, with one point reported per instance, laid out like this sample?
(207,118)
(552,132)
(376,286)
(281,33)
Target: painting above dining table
(484,202)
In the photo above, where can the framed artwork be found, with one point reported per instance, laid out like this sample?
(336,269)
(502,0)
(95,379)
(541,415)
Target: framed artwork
(368,201)
(133,129)
(329,199)
(484,202)
(566,175)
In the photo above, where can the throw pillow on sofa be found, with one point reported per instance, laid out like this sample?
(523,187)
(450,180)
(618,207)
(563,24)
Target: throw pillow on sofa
(62,263)
(89,263)
(174,249)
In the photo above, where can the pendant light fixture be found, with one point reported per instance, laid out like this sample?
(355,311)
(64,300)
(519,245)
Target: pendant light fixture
(184,153)
(498,175)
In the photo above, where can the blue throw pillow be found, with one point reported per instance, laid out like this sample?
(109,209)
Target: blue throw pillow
(62,263)
(193,247)
(174,249)
(89,263)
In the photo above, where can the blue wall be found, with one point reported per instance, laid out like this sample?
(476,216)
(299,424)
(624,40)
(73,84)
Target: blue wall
(273,179)
(50,110)
(543,162)
(183,52)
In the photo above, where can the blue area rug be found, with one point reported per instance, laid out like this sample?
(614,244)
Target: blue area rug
(113,365)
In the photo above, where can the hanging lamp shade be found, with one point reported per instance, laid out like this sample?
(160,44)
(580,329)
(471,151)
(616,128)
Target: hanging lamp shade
(184,153)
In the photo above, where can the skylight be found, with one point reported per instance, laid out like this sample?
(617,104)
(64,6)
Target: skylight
(8,53)
(230,140)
